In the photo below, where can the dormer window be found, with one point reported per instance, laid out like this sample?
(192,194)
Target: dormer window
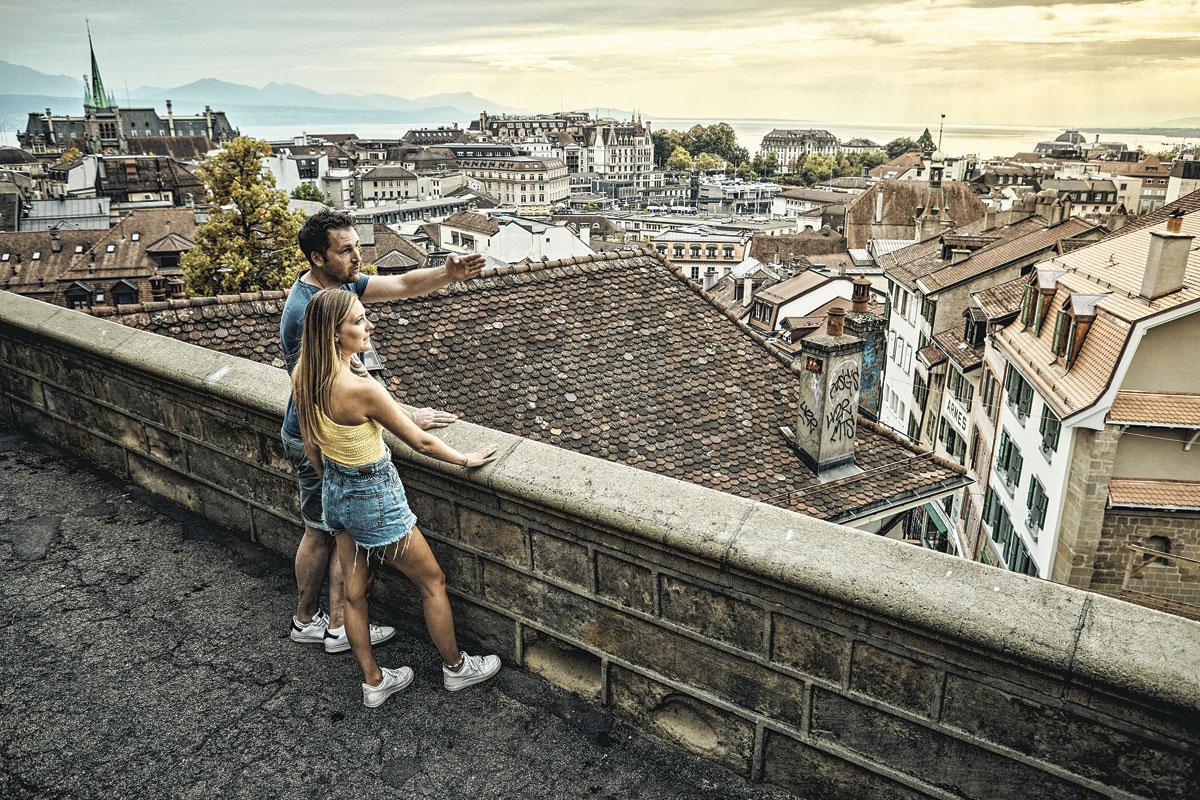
(78,248)
(37,254)
(136,237)
(1071,324)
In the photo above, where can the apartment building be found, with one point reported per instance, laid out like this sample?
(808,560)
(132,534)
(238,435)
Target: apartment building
(697,249)
(512,239)
(1095,480)
(531,185)
(792,144)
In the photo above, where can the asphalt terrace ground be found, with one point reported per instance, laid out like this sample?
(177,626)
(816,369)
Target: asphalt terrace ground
(145,654)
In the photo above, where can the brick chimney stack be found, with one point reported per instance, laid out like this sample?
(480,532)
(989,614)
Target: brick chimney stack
(861,295)
(829,395)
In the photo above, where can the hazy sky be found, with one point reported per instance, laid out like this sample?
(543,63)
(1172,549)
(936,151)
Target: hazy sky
(980,61)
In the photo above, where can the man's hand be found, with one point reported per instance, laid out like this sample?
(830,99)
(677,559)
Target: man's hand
(464,267)
(428,418)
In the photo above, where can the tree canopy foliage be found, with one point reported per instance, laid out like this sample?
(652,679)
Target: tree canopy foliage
(900,146)
(71,154)
(718,139)
(249,241)
(925,142)
(680,160)
(309,191)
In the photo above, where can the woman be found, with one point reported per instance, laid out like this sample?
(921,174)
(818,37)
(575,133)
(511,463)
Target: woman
(342,414)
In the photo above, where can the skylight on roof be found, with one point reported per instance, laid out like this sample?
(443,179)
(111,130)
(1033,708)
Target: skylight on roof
(4,257)
(136,237)
(78,248)
(112,248)
(36,255)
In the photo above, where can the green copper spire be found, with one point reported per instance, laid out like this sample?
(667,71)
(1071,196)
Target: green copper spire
(99,97)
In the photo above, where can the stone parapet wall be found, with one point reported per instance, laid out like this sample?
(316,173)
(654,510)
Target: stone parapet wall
(786,648)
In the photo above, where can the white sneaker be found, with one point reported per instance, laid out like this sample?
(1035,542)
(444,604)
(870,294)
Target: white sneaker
(340,643)
(310,632)
(393,681)
(474,669)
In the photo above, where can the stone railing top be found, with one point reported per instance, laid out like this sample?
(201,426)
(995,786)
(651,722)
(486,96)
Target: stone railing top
(1046,625)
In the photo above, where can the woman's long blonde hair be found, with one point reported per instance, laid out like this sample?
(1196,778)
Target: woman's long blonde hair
(318,365)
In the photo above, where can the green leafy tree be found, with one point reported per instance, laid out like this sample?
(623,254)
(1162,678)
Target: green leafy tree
(900,146)
(680,160)
(818,168)
(70,154)
(665,142)
(249,241)
(1167,155)
(926,142)
(309,191)
(770,164)
(709,162)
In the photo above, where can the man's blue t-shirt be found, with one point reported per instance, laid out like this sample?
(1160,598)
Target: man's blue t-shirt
(291,327)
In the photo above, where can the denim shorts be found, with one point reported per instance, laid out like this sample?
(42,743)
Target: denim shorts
(309,482)
(368,502)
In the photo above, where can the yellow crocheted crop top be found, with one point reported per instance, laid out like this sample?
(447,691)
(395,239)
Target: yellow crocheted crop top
(351,445)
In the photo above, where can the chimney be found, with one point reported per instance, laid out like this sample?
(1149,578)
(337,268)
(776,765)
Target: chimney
(878,205)
(989,218)
(1165,263)
(1175,221)
(860,295)
(747,290)
(829,396)
(929,225)
(710,278)
(170,119)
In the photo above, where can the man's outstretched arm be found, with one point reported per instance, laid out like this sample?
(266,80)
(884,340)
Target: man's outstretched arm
(418,282)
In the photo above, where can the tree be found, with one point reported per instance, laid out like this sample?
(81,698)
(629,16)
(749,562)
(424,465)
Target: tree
(770,164)
(709,162)
(818,168)
(309,191)
(249,241)
(926,142)
(900,146)
(719,139)
(665,142)
(71,154)
(680,160)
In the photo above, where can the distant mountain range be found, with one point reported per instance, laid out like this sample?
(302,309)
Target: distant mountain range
(23,90)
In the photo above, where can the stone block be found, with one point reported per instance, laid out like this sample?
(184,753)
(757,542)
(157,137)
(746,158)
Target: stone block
(558,558)
(813,774)
(156,478)
(231,513)
(231,437)
(182,419)
(112,457)
(894,679)
(221,470)
(86,413)
(564,665)
(810,649)
(1084,746)
(713,614)
(953,765)
(70,369)
(436,515)
(497,537)
(491,632)
(165,446)
(703,729)
(274,491)
(624,582)
(459,566)
(22,387)
(278,535)
(134,400)
(739,681)
(85,332)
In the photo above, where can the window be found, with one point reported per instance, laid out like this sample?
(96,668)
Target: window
(928,309)
(761,310)
(112,248)
(37,254)
(78,248)
(4,257)
(1009,461)
(961,388)
(679,251)
(1050,427)
(1020,393)
(1036,501)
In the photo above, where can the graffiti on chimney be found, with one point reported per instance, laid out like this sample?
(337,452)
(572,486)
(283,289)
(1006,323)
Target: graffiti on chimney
(808,418)
(843,398)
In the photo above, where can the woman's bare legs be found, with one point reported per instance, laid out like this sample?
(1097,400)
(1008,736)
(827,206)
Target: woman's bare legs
(420,565)
(357,581)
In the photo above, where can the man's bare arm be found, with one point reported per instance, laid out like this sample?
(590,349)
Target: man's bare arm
(420,282)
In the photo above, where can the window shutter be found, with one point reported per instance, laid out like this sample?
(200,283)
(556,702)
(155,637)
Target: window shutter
(1069,349)
(1031,495)
(1026,402)
(1027,306)
(1016,462)
(1059,320)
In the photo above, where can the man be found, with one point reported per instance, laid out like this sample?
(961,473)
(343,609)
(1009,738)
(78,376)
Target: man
(330,243)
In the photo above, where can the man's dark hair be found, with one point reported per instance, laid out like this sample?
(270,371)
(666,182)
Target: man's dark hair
(314,234)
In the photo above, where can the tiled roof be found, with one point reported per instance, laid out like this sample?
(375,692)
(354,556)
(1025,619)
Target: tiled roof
(1176,495)
(1113,267)
(613,355)
(1001,253)
(1001,300)
(931,354)
(957,201)
(1156,408)
(794,287)
(1187,204)
(897,166)
(472,222)
(183,148)
(389,172)
(781,248)
(961,352)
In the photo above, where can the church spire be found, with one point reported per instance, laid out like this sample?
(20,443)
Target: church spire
(99,97)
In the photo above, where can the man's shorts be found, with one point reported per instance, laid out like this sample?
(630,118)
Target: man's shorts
(309,483)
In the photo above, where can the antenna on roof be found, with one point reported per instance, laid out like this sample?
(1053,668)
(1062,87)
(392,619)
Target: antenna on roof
(940,124)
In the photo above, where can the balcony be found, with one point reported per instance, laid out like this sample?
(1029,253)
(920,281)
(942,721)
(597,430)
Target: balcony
(769,642)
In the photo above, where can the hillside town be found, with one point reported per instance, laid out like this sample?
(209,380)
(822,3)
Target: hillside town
(1011,320)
